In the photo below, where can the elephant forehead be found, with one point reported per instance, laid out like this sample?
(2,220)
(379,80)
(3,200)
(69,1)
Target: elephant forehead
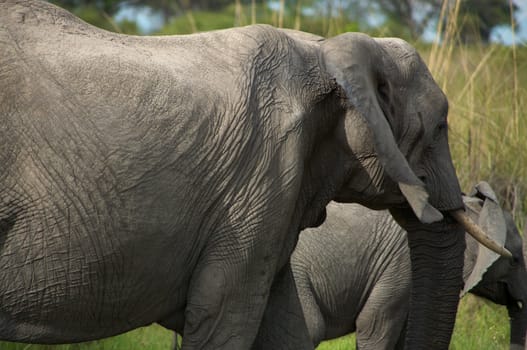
(399,50)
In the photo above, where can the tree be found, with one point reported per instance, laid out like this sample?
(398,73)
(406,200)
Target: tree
(99,13)
(171,8)
(479,17)
(473,16)
(110,7)
(413,15)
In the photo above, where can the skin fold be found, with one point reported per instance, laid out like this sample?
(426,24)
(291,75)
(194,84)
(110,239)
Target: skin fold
(353,274)
(166,179)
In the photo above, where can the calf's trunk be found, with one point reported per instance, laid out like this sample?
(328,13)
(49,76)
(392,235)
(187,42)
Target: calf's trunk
(518,322)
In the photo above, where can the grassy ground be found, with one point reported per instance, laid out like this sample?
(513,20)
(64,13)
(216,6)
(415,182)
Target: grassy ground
(480,326)
(154,337)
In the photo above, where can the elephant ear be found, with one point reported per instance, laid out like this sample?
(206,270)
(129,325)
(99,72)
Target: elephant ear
(483,190)
(355,61)
(483,205)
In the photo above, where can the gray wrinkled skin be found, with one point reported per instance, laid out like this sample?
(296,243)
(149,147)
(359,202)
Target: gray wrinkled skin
(166,179)
(352,274)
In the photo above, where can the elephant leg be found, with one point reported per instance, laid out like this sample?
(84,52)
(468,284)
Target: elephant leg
(227,296)
(402,336)
(175,323)
(283,325)
(382,318)
(176,341)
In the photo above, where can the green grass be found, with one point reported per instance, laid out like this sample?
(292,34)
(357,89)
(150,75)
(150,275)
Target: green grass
(154,337)
(343,343)
(480,325)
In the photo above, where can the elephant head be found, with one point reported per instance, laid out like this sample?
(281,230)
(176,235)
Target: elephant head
(504,281)
(404,160)
(389,87)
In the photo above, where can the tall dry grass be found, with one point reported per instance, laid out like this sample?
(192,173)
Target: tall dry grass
(487,121)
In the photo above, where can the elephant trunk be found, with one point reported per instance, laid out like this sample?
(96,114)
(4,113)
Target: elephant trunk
(437,266)
(517,303)
(518,322)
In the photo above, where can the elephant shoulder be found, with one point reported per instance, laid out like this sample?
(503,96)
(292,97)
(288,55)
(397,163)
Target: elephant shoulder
(289,66)
(33,16)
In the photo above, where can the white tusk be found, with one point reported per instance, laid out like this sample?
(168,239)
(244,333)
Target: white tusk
(478,234)
(520,304)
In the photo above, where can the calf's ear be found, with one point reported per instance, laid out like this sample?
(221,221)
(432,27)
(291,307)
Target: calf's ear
(353,59)
(484,205)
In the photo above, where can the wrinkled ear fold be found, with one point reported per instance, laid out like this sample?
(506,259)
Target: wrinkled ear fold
(353,59)
(483,190)
(483,205)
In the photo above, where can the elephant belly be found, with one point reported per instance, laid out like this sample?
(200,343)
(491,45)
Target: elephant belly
(48,301)
(70,281)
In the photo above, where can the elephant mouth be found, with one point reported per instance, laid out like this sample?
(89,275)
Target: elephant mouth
(371,196)
(496,292)
(399,200)
(375,202)
(459,216)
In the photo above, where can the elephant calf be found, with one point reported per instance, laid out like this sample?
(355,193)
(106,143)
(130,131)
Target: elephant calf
(352,274)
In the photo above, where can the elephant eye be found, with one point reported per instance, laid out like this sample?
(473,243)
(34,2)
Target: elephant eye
(440,128)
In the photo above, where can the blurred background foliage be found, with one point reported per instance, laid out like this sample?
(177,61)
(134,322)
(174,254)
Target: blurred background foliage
(410,19)
(475,50)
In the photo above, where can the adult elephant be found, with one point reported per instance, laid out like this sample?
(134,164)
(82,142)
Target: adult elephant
(166,179)
(353,274)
